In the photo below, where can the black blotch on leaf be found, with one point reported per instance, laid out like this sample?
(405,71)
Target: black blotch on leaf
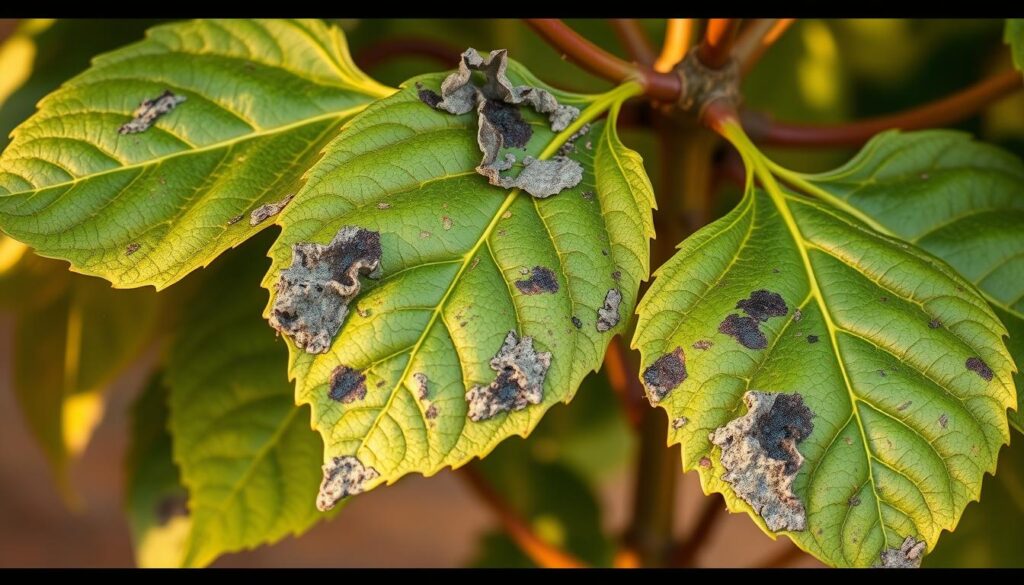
(428,96)
(812,339)
(763,305)
(934,324)
(542,280)
(347,385)
(515,131)
(978,366)
(576,321)
(744,330)
(665,374)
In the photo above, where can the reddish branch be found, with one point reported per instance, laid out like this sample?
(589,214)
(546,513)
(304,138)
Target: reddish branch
(624,378)
(634,39)
(660,86)
(942,112)
(716,47)
(395,48)
(540,552)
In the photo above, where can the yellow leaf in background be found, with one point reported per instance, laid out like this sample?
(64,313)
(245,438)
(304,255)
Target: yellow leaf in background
(17,54)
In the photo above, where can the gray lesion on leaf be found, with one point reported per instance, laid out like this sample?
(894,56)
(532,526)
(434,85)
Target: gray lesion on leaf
(501,125)
(265,212)
(422,385)
(519,382)
(665,375)
(314,292)
(148,112)
(132,248)
(541,280)
(343,476)
(347,385)
(608,314)
(760,456)
(907,556)
(978,366)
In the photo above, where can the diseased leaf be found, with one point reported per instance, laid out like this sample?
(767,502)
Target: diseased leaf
(961,200)
(155,500)
(1014,36)
(247,456)
(73,336)
(886,429)
(466,269)
(990,533)
(262,97)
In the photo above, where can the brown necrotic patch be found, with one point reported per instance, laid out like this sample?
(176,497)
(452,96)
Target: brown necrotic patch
(519,382)
(608,314)
(744,330)
(265,212)
(978,366)
(148,112)
(347,385)
(907,556)
(760,456)
(541,280)
(665,374)
(314,292)
(812,339)
(508,121)
(343,476)
(763,305)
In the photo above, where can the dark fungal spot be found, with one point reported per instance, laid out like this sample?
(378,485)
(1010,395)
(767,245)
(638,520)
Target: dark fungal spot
(680,422)
(854,501)
(542,280)
(576,321)
(760,456)
(763,305)
(514,130)
(428,96)
(978,366)
(944,420)
(347,385)
(617,276)
(236,219)
(812,339)
(314,292)
(881,373)
(431,412)
(604,252)
(265,212)
(588,195)
(703,344)
(149,110)
(904,405)
(132,248)
(934,324)
(518,383)
(744,330)
(665,374)
(422,385)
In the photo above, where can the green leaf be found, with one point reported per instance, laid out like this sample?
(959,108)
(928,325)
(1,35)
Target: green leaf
(990,533)
(903,431)
(1014,36)
(262,99)
(68,349)
(961,200)
(246,453)
(155,500)
(453,247)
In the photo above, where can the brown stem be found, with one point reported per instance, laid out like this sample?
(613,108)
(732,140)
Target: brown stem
(783,558)
(624,378)
(678,38)
(756,38)
(649,535)
(634,39)
(942,112)
(545,555)
(699,537)
(661,86)
(716,47)
(383,51)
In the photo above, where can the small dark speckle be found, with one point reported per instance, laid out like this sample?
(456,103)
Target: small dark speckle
(576,321)
(588,195)
(502,233)
(935,324)
(431,413)
(978,366)
(617,276)
(364,313)
(134,247)
(943,420)
(881,373)
(775,270)
(604,252)
(884,299)
(236,219)
(812,339)
(680,422)
(702,344)
(705,463)
(848,440)
(854,501)
(905,405)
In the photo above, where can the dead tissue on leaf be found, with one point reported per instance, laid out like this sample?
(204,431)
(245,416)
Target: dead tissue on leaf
(501,125)
(265,212)
(148,112)
(760,456)
(520,380)
(907,556)
(665,375)
(343,476)
(608,314)
(314,292)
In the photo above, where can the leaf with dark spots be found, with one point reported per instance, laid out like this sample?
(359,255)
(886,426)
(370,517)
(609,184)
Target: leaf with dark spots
(763,305)
(744,330)
(812,339)
(428,96)
(665,374)
(515,131)
(519,382)
(542,280)
(347,385)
